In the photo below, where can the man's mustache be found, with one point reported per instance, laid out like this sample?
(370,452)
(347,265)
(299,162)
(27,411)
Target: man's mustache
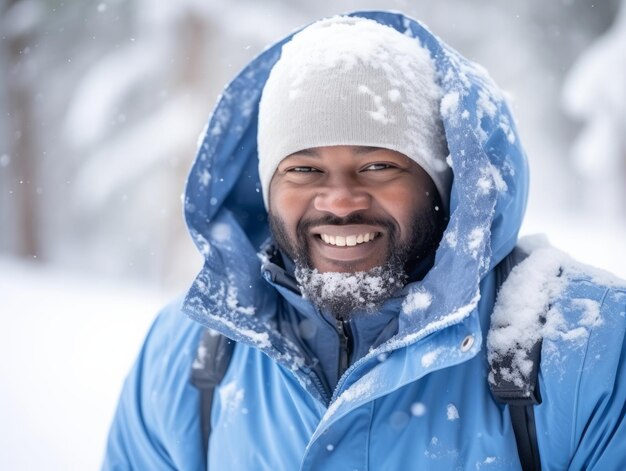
(354,218)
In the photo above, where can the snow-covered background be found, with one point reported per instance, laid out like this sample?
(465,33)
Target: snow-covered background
(101,104)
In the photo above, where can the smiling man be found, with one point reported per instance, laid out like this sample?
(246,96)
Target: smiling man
(357,198)
(352,162)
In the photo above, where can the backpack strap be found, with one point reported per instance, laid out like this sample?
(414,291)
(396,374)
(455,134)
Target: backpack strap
(207,371)
(520,399)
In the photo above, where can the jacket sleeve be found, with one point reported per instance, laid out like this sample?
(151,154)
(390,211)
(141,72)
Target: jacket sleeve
(600,423)
(156,424)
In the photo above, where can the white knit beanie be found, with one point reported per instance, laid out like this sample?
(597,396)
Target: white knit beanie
(353,81)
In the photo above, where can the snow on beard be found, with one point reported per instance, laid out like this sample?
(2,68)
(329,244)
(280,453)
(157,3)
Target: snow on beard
(343,294)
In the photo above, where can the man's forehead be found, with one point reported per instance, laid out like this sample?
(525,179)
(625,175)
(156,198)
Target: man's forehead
(317,151)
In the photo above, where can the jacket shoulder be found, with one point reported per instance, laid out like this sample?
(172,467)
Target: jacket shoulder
(551,296)
(579,314)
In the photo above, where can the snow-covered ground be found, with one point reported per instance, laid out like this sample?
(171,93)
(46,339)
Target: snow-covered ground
(66,343)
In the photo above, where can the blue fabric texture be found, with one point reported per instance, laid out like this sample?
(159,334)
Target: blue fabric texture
(418,398)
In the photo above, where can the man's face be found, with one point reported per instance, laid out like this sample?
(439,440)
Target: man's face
(349,209)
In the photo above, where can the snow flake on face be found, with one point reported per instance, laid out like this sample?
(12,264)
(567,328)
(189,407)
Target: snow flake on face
(452,412)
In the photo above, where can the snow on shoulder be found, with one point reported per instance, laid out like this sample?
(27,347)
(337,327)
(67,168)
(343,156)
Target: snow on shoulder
(531,306)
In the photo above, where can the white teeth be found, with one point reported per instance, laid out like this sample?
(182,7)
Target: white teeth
(350,241)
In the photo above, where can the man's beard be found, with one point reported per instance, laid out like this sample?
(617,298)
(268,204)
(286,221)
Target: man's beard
(343,294)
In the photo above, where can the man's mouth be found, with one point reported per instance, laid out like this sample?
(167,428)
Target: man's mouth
(349,247)
(350,240)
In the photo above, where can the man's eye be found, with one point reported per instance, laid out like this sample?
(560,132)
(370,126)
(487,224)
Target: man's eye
(302,169)
(378,167)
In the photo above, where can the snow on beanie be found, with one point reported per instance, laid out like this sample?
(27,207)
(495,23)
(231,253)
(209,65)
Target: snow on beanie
(353,81)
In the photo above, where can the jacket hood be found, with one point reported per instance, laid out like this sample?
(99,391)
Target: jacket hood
(227,220)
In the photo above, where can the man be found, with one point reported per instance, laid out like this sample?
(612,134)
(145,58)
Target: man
(393,183)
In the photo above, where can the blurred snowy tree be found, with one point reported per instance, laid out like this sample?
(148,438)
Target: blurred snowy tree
(595,95)
(18,158)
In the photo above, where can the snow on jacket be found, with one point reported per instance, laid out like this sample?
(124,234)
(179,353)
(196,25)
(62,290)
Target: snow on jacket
(420,398)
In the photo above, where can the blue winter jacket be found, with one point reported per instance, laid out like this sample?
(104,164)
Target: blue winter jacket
(416,393)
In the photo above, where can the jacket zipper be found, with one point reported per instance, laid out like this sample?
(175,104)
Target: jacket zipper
(343,330)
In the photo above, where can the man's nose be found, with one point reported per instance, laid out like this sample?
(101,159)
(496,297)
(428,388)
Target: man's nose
(341,198)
